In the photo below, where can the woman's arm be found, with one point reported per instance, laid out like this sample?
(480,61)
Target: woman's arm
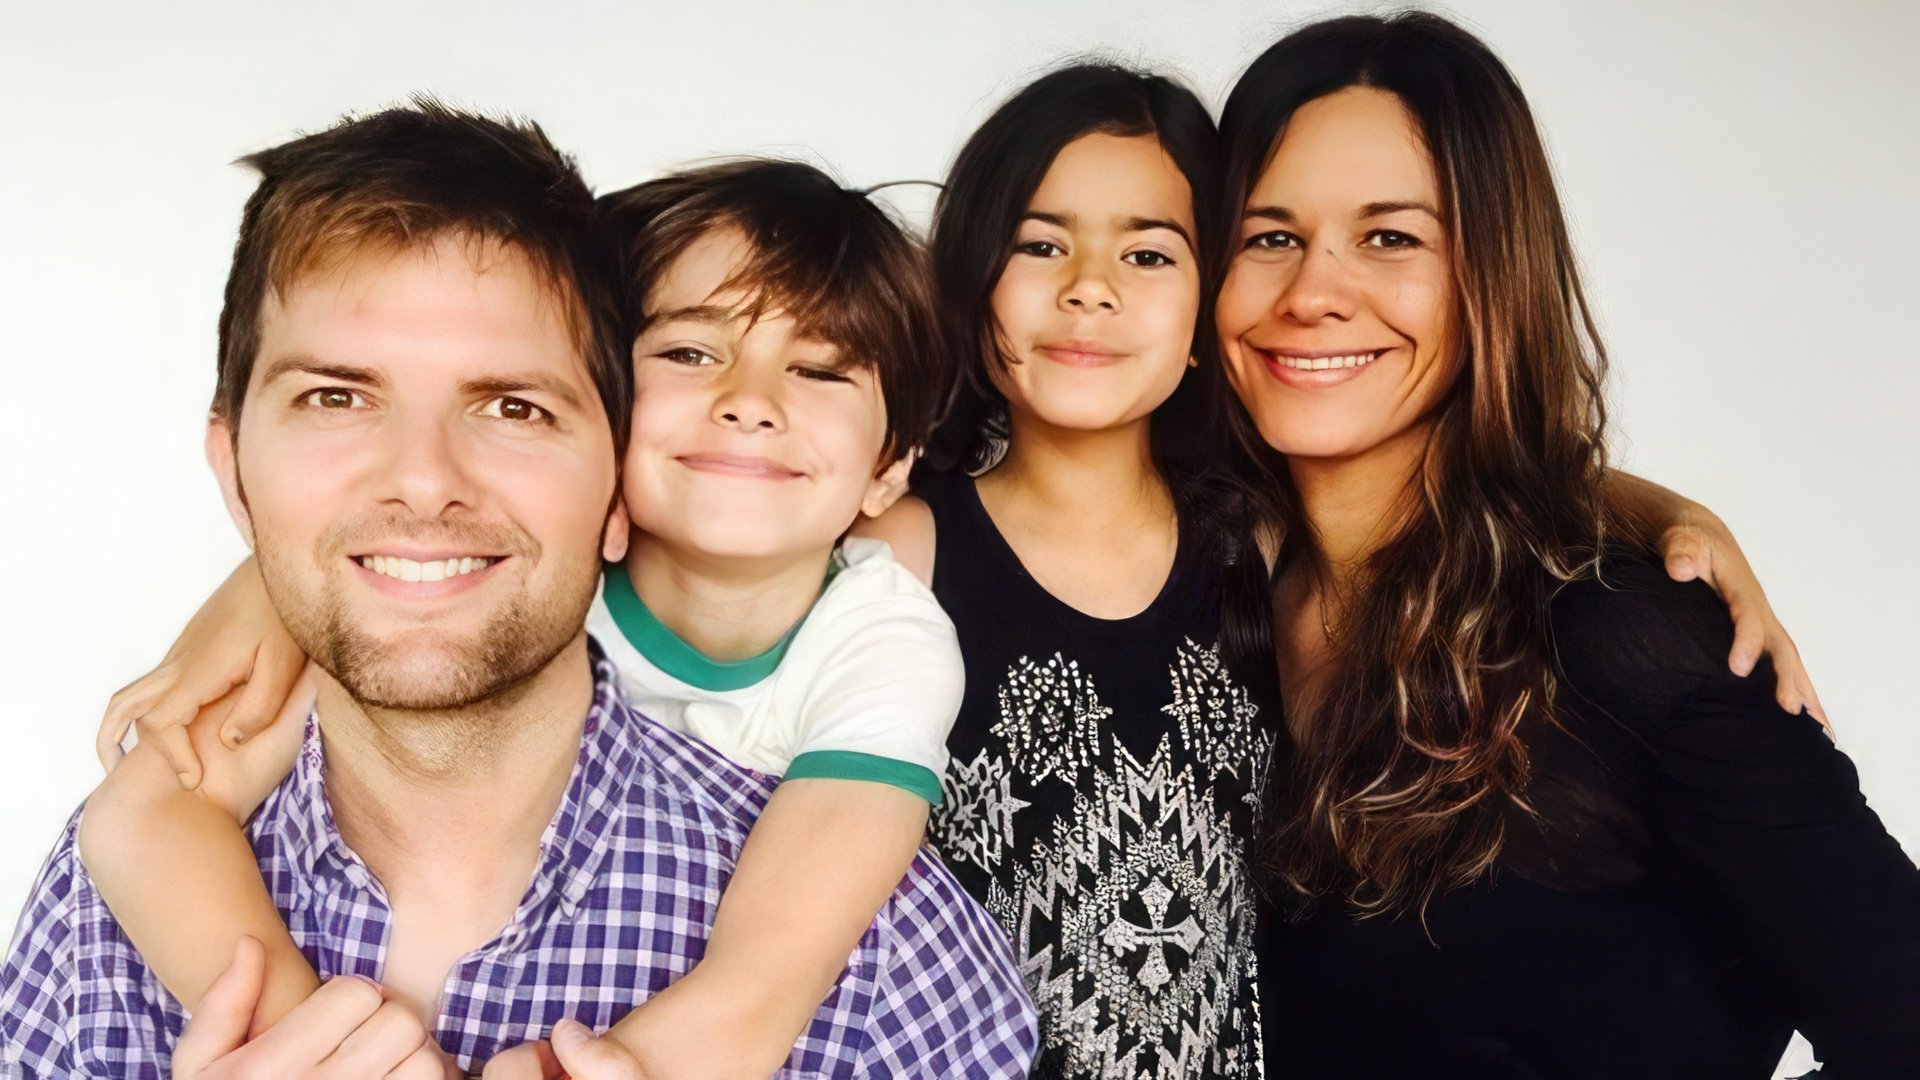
(818,865)
(1696,545)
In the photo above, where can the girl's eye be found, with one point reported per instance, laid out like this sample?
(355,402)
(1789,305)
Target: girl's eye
(1273,241)
(1387,238)
(516,409)
(819,374)
(688,355)
(333,398)
(1045,249)
(1147,258)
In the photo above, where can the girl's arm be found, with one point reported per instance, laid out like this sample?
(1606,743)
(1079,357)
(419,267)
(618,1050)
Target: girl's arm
(1695,543)
(173,864)
(821,861)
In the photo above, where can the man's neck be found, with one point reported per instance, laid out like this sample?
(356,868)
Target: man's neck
(727,609)
(456,797)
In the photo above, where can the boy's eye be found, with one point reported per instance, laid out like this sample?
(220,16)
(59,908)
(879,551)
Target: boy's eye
(516,409)
(687,354)
(332,398)
(1272,241)
(1045,249)
(1389,239)
(819,374)
(1147,258)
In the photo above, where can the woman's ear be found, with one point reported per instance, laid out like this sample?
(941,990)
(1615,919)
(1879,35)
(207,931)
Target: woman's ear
(224,459)
(888,485)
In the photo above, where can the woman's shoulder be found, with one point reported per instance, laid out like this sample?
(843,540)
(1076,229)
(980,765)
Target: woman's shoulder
(1632,640)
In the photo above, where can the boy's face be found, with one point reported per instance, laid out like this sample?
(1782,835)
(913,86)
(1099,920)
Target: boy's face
(749,440)
(424,469)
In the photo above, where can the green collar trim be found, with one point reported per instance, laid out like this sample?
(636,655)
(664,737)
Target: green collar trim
(666,651)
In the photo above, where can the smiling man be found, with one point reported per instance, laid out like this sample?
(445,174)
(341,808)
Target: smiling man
(421,399)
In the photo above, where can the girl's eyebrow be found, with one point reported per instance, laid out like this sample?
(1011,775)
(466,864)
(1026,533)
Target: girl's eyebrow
(1128,224)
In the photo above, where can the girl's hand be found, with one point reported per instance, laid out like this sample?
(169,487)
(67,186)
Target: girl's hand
(1704,548)
(234,640)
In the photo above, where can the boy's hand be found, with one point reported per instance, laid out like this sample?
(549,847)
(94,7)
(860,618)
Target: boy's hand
(573,1052)
(1704,548)
(345,1031)
(234,640)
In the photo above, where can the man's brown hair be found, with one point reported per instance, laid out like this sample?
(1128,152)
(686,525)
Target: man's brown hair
(407,177)
(827,255)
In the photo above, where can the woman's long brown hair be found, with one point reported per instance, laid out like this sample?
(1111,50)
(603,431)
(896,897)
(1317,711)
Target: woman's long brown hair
(1401,781)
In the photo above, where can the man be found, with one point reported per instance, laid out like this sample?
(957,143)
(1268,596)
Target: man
(420,404)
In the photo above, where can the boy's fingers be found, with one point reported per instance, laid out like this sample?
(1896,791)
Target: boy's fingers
(219,1026)
(1749,640)
(128,704)
(176,746)
(261,697)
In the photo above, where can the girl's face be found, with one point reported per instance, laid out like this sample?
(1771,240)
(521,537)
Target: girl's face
(1336,311)
(1097,303)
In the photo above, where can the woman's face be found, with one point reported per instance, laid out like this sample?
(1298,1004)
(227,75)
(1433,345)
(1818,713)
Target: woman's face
(1096,305)
(1336,311)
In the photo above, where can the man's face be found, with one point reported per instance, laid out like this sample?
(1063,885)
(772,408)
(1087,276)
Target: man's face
(425,468)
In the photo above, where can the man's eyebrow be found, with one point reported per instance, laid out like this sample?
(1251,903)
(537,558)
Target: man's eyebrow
(303,364)
(1377,209)
(1142,224)
(534,382)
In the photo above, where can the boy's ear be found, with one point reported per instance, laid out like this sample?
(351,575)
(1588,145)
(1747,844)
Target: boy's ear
(889,485)
(613,542)
(226,469)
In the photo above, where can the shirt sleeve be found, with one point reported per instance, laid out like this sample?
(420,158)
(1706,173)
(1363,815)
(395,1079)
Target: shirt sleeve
(885,685)
(37,984)
(1760,818)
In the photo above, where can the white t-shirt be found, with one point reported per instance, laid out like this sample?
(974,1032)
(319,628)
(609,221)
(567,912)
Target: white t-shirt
(866,687)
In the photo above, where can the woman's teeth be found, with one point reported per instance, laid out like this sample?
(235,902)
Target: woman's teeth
(436,570)
(1323,363)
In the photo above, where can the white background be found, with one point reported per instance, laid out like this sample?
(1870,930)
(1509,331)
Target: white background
(1741,177)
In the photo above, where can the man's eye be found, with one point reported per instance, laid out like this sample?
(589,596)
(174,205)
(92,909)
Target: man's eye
(1272,241)
(1045,249)
(688,355)
(332,397)
(516,409)
(1387,238)
(1148,258)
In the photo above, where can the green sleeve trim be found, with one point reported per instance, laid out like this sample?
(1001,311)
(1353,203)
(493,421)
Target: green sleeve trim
(851,765)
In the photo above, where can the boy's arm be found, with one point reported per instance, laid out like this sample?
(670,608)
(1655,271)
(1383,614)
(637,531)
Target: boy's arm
(821,861)
(1695,543)
(176,869)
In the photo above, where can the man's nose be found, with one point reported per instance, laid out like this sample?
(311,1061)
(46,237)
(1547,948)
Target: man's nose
(427,467)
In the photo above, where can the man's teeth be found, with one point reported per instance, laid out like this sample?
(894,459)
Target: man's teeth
(1324,363)
(436,570)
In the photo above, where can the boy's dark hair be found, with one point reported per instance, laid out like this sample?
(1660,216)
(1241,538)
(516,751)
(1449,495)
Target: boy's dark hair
(827,255)
(407,177)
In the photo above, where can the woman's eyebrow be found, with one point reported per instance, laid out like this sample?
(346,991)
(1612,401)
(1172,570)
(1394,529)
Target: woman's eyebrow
(1377,209)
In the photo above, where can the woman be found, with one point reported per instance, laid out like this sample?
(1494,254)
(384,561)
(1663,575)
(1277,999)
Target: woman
(1530,824)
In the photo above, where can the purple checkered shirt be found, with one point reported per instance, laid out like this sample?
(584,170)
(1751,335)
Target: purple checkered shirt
(631,871)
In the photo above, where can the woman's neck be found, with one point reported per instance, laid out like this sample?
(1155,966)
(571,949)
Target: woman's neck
(726,609)
(1352,503)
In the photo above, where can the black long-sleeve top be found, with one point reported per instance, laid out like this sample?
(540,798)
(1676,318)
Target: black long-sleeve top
(1703,878)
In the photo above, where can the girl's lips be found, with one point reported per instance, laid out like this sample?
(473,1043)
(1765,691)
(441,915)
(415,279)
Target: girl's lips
(1316,371)
(1079,353)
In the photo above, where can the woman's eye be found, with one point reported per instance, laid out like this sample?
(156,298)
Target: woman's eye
(1147,258)
(1045,249)
(332,397)
(515,409)
(1387,238)
(686,354)
(1272,241)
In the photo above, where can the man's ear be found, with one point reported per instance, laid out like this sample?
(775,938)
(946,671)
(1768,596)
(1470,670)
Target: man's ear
(226,469)
(887,487)
(613,542)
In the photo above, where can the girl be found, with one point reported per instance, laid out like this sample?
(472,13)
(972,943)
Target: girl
(1079,518)
(1502,718)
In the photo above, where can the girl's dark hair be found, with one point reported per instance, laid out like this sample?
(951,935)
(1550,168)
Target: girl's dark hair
(975,223)
(1400,783)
